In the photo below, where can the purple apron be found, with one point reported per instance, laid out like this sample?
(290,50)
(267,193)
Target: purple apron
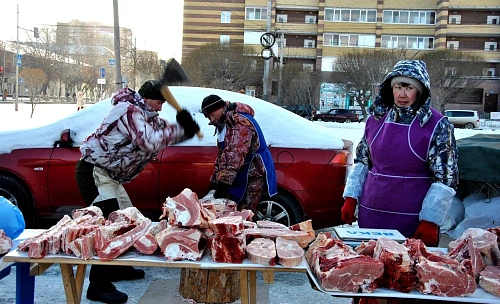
(397,183)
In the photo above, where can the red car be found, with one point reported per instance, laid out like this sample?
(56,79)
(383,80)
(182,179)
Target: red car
(37,166)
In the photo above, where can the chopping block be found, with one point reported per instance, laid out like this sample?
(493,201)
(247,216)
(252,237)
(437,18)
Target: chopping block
(210,286)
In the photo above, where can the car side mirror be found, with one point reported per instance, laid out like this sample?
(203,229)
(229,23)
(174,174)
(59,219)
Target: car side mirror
(65,140)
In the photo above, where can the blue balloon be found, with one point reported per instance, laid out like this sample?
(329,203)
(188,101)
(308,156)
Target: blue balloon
(11,218)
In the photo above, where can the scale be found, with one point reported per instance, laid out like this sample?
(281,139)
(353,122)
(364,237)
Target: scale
(353,236)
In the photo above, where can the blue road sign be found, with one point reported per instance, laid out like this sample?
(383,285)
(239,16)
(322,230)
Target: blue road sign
(111,62)
(19,59)
(103,72)
(21,81)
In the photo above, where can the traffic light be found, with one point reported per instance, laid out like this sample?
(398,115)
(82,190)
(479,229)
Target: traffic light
(1,70)
(35,32)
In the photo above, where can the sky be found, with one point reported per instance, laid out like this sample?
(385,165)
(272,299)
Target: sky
(157,25)
(281,127)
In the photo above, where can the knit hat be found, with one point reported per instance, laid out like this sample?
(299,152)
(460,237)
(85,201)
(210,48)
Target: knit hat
(414,82)
(150,89)
(211,103)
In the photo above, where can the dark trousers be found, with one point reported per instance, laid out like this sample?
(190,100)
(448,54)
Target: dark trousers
(85,181)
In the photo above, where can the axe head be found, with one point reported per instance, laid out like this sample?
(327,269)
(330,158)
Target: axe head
(174,73)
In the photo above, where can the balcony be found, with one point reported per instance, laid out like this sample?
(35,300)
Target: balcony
(299,52)
(475,30)
(297,28)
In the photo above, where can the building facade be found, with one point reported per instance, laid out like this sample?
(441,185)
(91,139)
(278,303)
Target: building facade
(317,32)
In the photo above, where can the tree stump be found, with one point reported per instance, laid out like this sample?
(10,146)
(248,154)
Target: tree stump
(210,286)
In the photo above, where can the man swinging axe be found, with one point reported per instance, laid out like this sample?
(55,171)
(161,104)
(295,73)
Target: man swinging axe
(117,152)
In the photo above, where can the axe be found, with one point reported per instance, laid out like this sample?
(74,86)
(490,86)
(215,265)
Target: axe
(174,73)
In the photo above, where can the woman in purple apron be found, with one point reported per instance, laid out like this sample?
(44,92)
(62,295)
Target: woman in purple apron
(244,168)
(405,169)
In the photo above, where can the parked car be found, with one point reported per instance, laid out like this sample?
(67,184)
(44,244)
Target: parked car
(463,118)
(306,111)
(337,115)
(37,166)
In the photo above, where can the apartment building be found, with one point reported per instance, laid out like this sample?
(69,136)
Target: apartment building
(80,38)
(317,32)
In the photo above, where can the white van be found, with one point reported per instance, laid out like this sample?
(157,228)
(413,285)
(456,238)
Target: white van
(463,118)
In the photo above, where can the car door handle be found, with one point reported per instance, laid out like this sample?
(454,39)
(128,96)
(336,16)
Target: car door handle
(155,159)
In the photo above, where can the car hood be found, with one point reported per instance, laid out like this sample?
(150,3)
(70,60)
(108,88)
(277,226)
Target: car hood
(280,127)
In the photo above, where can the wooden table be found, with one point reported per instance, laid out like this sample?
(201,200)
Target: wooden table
(73,282)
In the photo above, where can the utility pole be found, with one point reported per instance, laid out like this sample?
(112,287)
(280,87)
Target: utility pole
(265,85)
(4,66)
(118,64)
(16,91)
(280,89)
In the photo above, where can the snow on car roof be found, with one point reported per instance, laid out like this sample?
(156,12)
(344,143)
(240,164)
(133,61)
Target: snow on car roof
(280,127)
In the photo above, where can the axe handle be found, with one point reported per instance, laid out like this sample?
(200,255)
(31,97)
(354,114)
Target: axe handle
(165,92)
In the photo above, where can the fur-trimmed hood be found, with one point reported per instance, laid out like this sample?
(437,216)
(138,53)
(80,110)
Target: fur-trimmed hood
(408,68)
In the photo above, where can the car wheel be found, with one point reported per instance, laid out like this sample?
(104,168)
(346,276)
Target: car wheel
(281,209)
(16,193)
(469,125)
(347,120)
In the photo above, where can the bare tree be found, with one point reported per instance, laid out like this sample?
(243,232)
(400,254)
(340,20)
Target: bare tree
(359,72)
(148,66)
(34,79)
(447,69)
(42,52)
(298,86)
(226,66)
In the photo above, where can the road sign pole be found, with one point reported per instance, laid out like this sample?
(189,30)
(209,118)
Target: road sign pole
(16,91)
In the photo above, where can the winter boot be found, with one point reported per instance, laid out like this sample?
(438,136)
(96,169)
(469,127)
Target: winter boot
(126,273)
(106,293)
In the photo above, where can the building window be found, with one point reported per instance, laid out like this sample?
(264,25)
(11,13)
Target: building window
(282,18)
(408,42)
(281,42)
(409,17)
(224,38)
(256,13)
(450,71)
(454,19)
(349,40)
(308,67)
(250,92)
(309,43)
(350,15)
(489,72)
(493,20)
(310,19)
(490,46)
(225,17)
(452,45)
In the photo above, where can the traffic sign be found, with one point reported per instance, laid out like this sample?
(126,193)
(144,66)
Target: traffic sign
(267,54)
(19,59)
(111,62)
(101,80)
(21,81)
(267,40)
(102,73)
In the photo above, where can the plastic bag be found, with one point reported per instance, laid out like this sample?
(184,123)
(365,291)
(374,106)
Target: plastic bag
(11,218)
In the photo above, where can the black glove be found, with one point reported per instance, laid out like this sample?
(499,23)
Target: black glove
(187,122)
(222,190)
